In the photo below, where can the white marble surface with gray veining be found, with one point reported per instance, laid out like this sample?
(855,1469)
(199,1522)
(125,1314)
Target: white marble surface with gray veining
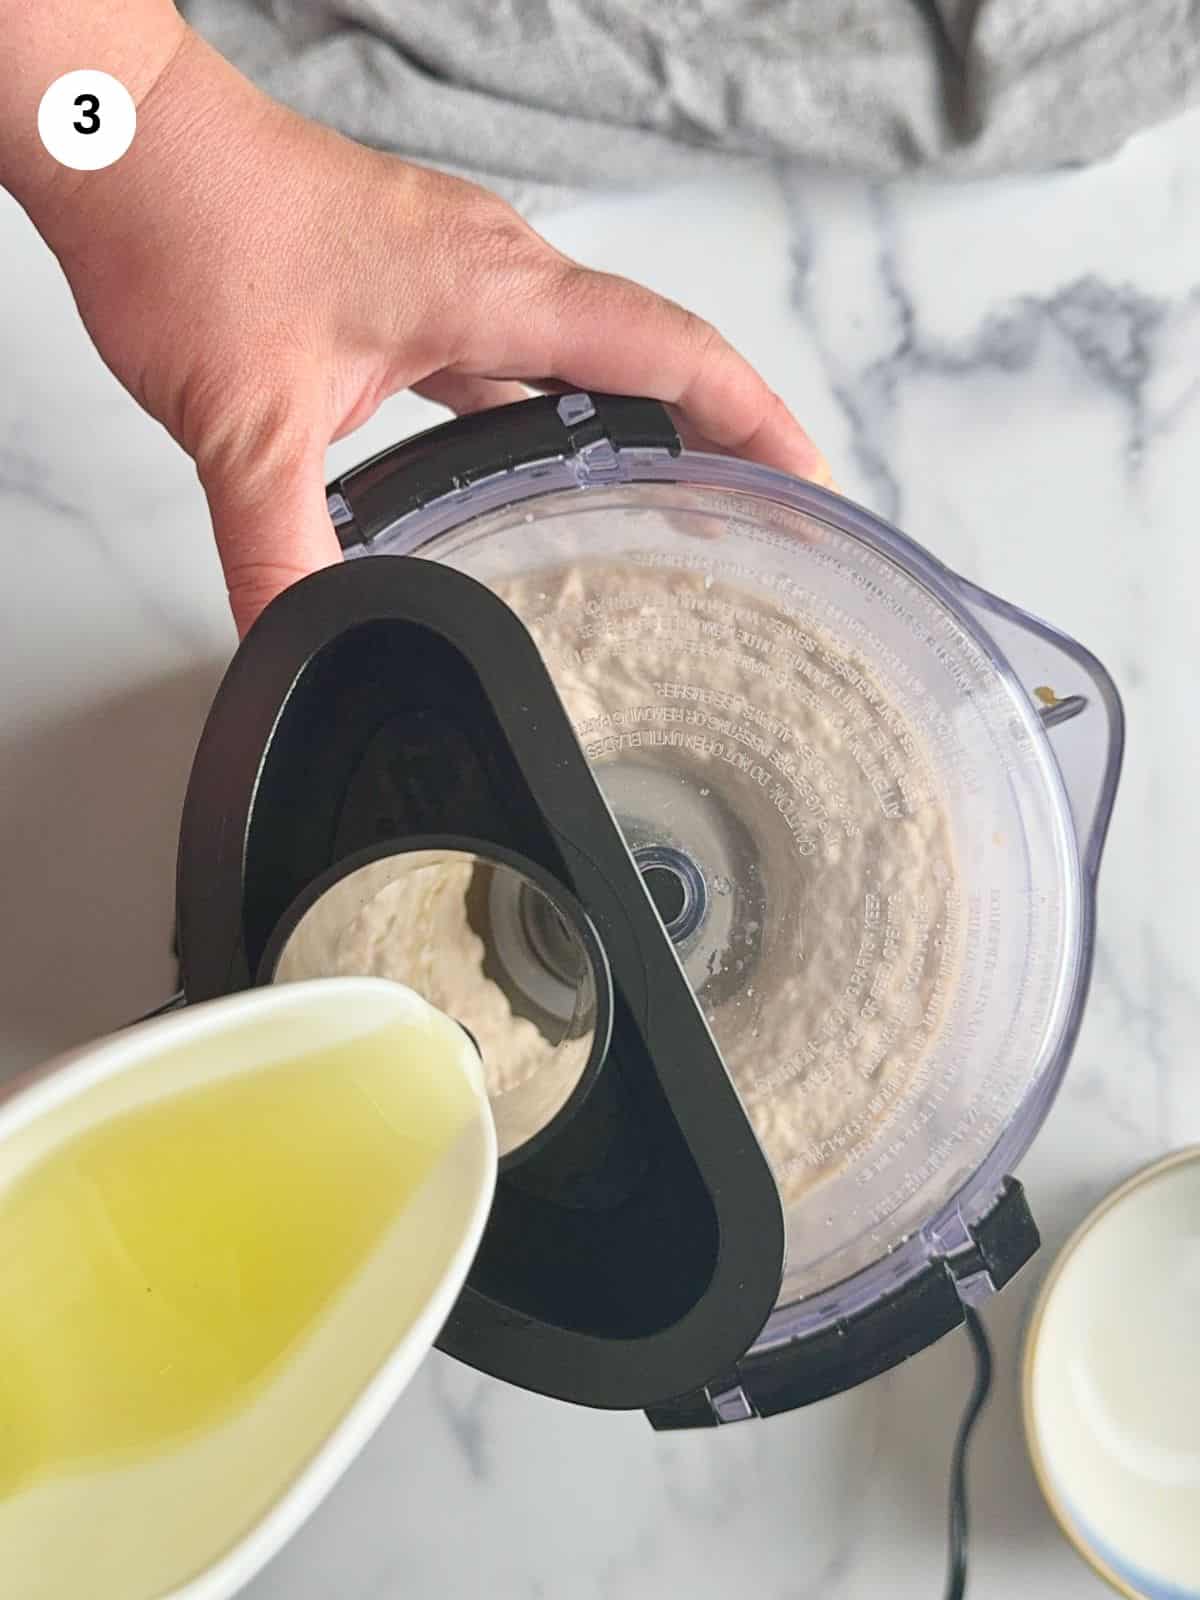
(1010,373)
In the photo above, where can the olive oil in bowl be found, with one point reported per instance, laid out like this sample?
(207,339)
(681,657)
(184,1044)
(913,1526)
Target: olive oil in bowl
(206,1262)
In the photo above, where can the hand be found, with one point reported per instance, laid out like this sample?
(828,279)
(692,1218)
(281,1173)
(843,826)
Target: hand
(260,284)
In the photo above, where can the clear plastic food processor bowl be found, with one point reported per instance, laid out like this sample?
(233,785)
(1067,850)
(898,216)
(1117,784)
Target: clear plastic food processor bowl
(868,800)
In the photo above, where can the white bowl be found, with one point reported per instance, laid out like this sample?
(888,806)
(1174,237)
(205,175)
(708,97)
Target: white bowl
(198,1523)
(1112,1384)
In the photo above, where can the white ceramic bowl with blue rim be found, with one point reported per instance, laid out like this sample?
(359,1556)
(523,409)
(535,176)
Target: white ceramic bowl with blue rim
(1112,1384)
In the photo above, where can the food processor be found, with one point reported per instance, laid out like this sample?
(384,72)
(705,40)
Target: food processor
(756,849)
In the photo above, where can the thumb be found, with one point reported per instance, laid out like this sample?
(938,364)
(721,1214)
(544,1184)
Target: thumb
(271,524)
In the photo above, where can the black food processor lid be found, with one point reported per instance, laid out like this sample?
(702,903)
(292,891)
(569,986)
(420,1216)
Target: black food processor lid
(398,718)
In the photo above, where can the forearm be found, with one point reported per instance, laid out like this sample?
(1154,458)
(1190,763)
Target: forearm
(133,40)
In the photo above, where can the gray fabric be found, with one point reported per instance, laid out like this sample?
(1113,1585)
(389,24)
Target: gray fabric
(538,97)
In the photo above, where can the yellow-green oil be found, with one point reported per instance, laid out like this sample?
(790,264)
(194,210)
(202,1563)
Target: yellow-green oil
(157,1269)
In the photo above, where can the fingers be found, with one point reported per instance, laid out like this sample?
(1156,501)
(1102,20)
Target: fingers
(598,331)
(461,393)
(819,472)
(271,524)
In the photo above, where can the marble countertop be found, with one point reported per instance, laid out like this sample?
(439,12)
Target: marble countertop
(1007,371)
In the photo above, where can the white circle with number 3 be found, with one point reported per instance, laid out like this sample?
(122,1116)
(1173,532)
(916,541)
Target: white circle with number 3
(86,120)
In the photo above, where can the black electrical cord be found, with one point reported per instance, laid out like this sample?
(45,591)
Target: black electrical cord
(956,1575)
(173,1004)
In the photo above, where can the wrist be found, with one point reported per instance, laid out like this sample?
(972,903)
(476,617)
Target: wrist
(202,129)
(135,41)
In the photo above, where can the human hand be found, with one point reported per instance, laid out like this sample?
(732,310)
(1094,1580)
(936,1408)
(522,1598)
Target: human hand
(260,284)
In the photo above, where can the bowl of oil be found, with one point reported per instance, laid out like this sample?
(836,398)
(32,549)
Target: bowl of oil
(228,1238)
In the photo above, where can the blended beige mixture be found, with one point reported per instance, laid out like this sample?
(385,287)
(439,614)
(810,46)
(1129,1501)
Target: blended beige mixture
(753,741)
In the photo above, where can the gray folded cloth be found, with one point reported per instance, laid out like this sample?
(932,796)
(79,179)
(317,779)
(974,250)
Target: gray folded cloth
(543,98)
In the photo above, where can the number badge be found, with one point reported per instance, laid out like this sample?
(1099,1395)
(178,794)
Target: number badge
(87,120)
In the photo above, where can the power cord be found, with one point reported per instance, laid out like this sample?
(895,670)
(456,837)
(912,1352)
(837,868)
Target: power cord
(956,1575)
(173,1004)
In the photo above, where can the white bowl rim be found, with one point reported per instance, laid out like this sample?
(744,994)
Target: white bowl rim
(1185,1156)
